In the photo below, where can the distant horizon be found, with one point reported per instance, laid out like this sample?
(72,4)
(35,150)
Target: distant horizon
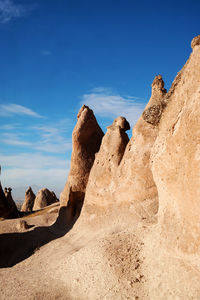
(55,57)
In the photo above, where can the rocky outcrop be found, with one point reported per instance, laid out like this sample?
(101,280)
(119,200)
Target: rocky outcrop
(29,200)
(101,186)
(122,172)
(8,208)
(4,212)
(44,198)
(176,159)
(86,141)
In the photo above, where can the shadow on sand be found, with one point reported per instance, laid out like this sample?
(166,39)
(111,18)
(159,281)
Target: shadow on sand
(16,247)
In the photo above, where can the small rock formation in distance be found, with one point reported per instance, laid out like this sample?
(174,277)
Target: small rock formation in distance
(8,208)
(29,200)
(44,198)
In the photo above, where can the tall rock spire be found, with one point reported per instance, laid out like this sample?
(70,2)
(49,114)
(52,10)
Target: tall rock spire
(86,141)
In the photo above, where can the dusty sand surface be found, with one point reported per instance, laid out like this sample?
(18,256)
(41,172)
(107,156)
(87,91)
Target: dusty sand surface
(100,258)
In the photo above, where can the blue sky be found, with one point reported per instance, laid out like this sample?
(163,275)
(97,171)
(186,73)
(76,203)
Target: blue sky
(57,55)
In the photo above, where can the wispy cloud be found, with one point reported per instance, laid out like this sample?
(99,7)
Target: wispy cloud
(10,10)
(46,52)
(14,140)
(51,138)
(110,105)
(16,109)
(9,126)
(29,169)
(33,161)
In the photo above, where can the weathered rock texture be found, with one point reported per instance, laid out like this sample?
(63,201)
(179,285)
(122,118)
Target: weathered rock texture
(29,200)
(101,188)
(176,159)
(44,198)
(121,172)
(86,141)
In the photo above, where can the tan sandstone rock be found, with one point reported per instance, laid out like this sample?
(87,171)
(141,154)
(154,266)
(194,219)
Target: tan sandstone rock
(128,179)
(195,41)
(29,200)
(176,159)
(86,141)
(100,187)
(44,198)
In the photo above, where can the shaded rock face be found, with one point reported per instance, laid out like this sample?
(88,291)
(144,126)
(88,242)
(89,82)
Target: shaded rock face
(176,159)
(29,200)
(4,212)
(8,208)
(44,198)
(86,141)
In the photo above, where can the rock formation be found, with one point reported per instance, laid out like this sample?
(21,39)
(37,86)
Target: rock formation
(121,171)
(101,186)
(130,258)
(176,159)
(29,200)
(8,208)
(3,204)
(44,198)
(86,141)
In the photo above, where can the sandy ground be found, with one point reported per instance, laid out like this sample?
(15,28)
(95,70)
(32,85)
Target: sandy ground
(100,258)
(108,254)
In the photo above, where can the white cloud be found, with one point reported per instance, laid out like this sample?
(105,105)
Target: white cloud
(32,161)
(57,147)
(13,139)
(16,109)
(27,169)
(10,10)
(52,178)
(50,138)
(106,104)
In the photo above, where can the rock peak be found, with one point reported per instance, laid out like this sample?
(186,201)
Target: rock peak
(85,109)
(86,141)
(195,41)
(158,83)
(120,122)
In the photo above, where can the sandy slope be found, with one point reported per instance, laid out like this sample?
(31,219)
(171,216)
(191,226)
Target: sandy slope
(100,258)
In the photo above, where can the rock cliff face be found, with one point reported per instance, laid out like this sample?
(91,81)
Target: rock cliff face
(101,186)
(44,198)
(176,159)
(121,172)
(29,200)
(86,141)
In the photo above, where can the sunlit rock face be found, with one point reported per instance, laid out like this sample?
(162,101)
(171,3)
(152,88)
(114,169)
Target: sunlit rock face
(44,198)
(176,158)
(86,141)
(29,200)
(121,172)
(101,185)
